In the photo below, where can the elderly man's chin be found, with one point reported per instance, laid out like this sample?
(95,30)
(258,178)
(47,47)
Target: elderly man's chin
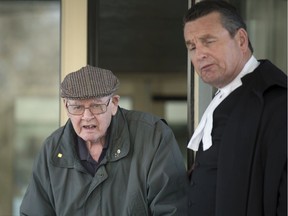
(89,137)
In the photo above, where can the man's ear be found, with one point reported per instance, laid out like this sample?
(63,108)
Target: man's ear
(115,99)
(115,102)
(243,39)
(65,102)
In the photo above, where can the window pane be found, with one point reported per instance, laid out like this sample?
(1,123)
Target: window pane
(29,77)
(267,28)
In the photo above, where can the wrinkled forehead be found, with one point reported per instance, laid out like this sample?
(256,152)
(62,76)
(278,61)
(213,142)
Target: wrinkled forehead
(100,100)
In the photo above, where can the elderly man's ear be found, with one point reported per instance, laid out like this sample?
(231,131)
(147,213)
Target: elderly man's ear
(115,102)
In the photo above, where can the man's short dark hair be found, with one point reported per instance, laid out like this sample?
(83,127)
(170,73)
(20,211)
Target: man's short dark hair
(230,18)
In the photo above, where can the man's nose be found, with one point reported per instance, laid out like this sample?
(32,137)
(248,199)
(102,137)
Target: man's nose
(87,113)
(200,52)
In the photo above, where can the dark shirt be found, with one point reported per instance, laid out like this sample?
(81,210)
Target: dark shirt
(203,180)
(86,159)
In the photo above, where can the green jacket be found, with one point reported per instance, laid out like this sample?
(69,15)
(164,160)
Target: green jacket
(143,173)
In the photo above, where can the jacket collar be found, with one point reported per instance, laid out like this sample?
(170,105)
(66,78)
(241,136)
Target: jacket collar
(265,76)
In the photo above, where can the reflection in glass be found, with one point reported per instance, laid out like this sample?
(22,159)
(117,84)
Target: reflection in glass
(29,77)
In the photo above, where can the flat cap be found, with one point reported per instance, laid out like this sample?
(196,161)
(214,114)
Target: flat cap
(89,82)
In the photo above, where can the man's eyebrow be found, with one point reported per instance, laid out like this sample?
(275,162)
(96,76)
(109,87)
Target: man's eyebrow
(189,42)
(74,103)
(206,36)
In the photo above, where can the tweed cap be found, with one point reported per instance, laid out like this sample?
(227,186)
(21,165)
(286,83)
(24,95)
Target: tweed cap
(89,82)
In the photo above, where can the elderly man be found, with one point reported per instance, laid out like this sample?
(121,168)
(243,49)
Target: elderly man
(106,160)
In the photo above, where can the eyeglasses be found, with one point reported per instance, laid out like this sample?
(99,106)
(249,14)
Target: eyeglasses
(96,109)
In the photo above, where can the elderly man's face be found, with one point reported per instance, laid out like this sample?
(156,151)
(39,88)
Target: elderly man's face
(94,121)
